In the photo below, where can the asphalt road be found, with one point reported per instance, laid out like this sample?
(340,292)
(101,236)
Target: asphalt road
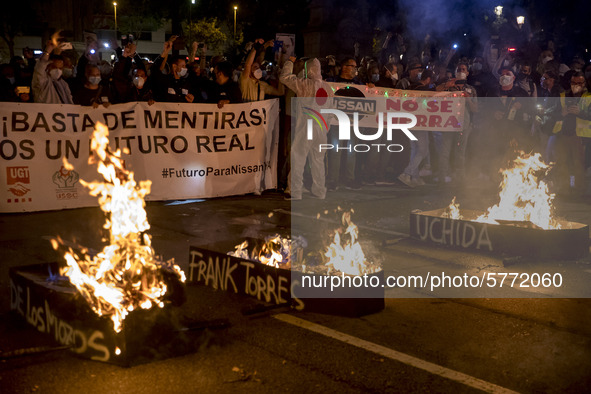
(416,344)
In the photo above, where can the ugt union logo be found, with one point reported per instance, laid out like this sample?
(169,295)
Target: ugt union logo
(16,179)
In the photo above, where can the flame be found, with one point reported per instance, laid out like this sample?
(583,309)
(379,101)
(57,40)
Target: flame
(241,251)
(275,252)
(272,252)
(453,210)
(285,252)
(348,257)
(524,196)
(125,275)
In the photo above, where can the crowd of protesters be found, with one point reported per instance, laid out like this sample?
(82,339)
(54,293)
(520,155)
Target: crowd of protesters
(527,100)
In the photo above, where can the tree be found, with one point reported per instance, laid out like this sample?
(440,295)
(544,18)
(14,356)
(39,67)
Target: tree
(205,30)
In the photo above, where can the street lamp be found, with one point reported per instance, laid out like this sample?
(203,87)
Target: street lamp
(115,7)
(499,11)
(520,21)
(191,21)
(235,9)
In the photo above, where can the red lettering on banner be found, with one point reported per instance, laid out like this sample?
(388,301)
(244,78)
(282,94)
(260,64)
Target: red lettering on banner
(432,106)
(453,122)
(17,174)
(434,121)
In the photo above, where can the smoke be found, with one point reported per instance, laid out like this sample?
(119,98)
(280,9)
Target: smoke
(429,16)
(449,19)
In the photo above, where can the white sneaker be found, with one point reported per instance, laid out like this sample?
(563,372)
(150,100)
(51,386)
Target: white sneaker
(406,179)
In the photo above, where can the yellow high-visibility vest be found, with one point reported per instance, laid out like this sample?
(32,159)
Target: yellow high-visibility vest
(583,127)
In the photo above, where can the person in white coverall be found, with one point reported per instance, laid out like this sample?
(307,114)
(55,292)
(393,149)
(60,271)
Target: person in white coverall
(306,84)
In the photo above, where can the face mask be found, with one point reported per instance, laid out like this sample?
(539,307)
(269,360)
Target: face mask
(138,82)
(258,73)
(375,78)
(576,89)
(12,80)
(506,80)
(547,59)
(419,75)
(461,76)
(477,66)
(94,80)
(67,72)
(183,72)
(395,76)
(55,74)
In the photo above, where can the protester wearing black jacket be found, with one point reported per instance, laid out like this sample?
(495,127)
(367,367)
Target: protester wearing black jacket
(225,90)
(172,87)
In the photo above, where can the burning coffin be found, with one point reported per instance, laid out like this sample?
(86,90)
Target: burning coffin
(505,237)
(55,308)
(111,305)
(280,285)
(522,223)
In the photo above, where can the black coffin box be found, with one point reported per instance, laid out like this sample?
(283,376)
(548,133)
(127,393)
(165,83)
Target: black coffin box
(279,286)
(56,309)
(571,242)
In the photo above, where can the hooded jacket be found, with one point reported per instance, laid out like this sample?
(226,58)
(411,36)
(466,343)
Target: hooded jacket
(305,86)
(305,142)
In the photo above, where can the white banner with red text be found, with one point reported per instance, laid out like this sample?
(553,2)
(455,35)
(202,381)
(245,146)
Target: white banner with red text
(186,150)
(435,111)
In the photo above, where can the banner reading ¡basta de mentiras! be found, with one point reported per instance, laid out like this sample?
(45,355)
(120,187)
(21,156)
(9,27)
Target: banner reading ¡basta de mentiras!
(186,150)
